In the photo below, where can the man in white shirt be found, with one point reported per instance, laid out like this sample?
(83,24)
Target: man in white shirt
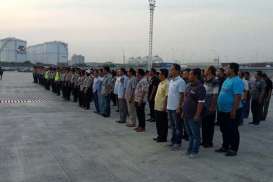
(245,97)
(116,86)
(175,99)
(123,110)
(99,84)
(96,90)
(130,97)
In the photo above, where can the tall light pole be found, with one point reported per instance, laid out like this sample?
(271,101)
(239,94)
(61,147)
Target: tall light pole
(217,60)
(151,32)
(123,57)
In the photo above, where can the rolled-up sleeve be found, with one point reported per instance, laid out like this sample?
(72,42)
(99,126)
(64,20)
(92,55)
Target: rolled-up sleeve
(182,86)
(201,94)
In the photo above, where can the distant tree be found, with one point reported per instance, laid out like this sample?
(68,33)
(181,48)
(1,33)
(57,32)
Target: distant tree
(27,62)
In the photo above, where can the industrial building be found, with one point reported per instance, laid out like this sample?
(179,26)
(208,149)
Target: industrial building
(145,60)
(76,60)
(13,50)
(55,53)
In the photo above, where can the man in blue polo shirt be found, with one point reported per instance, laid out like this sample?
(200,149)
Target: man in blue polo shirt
(229,107)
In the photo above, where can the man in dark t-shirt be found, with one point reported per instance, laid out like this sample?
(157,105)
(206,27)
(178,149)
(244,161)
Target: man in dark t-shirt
(193,107)
(221,77)
(257,98)
(153,84)
(267,97)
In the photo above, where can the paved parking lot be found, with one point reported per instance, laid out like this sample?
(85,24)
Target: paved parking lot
(45,139)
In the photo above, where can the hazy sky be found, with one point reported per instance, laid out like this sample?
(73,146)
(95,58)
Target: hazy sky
(191,30)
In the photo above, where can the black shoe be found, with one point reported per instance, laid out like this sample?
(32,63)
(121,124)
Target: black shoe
(106,116)
(221,150)
(151,120)
(231,153)
(207,145)
(254,123)
(120,122)
(176,147)
(117,110)
(186,138)
(161,140)
(155,139)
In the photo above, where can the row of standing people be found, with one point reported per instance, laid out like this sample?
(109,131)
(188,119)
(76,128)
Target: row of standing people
(183,100)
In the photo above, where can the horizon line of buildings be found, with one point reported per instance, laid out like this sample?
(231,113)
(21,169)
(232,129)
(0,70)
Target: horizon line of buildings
(52,52)
(56,52)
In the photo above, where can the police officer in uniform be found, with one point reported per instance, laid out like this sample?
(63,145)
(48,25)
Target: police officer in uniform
(51,79)
(81,87)
(57,80)
(63,81)
(74,86)
(87,90)
(46,79)
(68,84)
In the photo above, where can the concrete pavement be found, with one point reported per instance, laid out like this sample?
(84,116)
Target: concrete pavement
(49,140)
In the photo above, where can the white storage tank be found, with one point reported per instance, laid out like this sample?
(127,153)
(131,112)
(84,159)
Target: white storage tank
(48,53)
(13,50)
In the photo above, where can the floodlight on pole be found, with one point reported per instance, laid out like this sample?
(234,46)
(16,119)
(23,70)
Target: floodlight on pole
(152,4)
